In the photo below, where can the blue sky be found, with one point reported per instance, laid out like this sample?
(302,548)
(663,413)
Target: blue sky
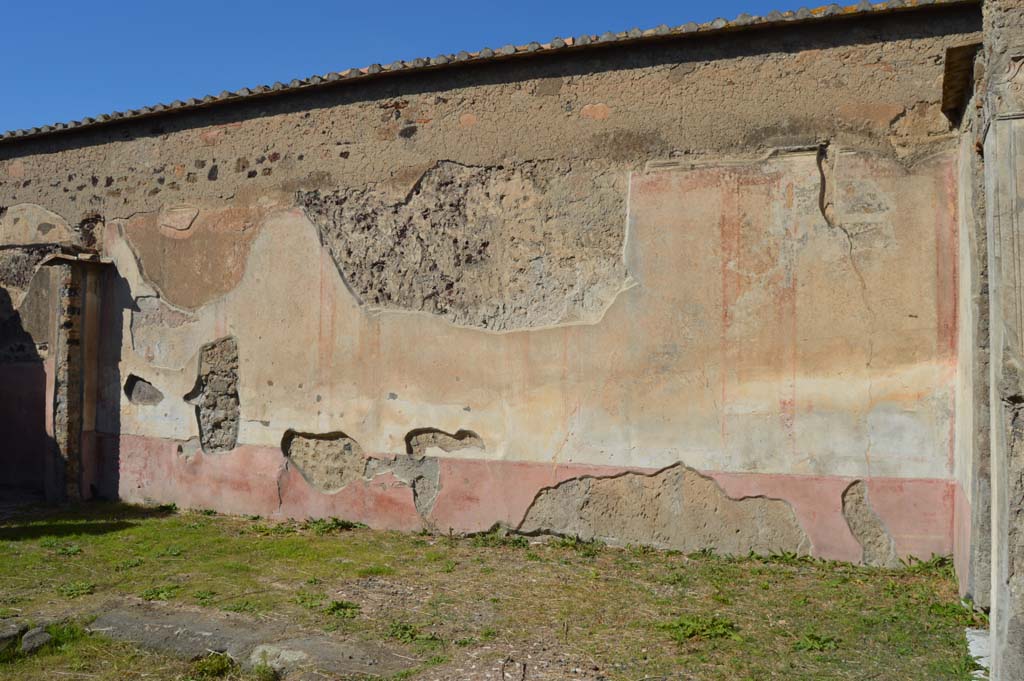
(68,59)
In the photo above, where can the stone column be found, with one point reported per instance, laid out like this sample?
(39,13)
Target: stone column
(1004,189)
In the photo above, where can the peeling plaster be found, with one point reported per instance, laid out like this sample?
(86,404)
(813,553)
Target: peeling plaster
(877,545)
(674,508)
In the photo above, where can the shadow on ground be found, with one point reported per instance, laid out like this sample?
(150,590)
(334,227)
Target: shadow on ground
(34,522)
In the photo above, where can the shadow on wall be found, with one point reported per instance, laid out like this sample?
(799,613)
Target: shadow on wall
(25,446)
(30,461)
(105,440)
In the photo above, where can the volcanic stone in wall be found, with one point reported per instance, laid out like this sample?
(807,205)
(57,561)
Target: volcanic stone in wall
(140,391)
(216,396)
(496,247)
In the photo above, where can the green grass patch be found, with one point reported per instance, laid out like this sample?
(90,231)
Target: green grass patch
(630,613)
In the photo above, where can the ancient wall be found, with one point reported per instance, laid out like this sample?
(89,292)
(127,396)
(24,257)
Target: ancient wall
(28,296)
(1002,95)
(707,283)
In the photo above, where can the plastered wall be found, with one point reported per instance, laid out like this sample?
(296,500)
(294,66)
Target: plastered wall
(702,283)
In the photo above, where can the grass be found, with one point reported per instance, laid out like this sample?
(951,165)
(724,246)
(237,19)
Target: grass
(629,613)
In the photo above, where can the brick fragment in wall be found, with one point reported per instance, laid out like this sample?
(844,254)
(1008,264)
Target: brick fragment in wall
(215,396)
(675,508)
(877,546)
(497,247)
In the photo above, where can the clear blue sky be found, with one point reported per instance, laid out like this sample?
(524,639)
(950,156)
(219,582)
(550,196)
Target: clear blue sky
(68,59)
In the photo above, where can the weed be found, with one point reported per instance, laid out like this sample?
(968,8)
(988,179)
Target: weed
(167,508)
(784,558)
(204,596)
(169,552)
(261,671)
(310,601)
(499,537)
(961,668)
(69,550)
(811,641)
(940,565)
(128,564)
(164,592)
(207,511)
(65,633)
(273,529)
(488,634)
(449,566)
(76,589)
(588,548)
(961,614)
(242,606)
(344,609)
(688,627)
(640,550)
(321,526)
(374,571)
(404,632)
(678,579)
(213,666)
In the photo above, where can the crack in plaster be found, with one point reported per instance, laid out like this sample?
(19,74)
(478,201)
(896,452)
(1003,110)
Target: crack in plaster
(828,162)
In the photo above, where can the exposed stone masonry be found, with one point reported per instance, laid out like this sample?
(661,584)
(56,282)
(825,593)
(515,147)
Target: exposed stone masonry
(675,508)
(216,396)
(328,461)
(878,547)
(498,247)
